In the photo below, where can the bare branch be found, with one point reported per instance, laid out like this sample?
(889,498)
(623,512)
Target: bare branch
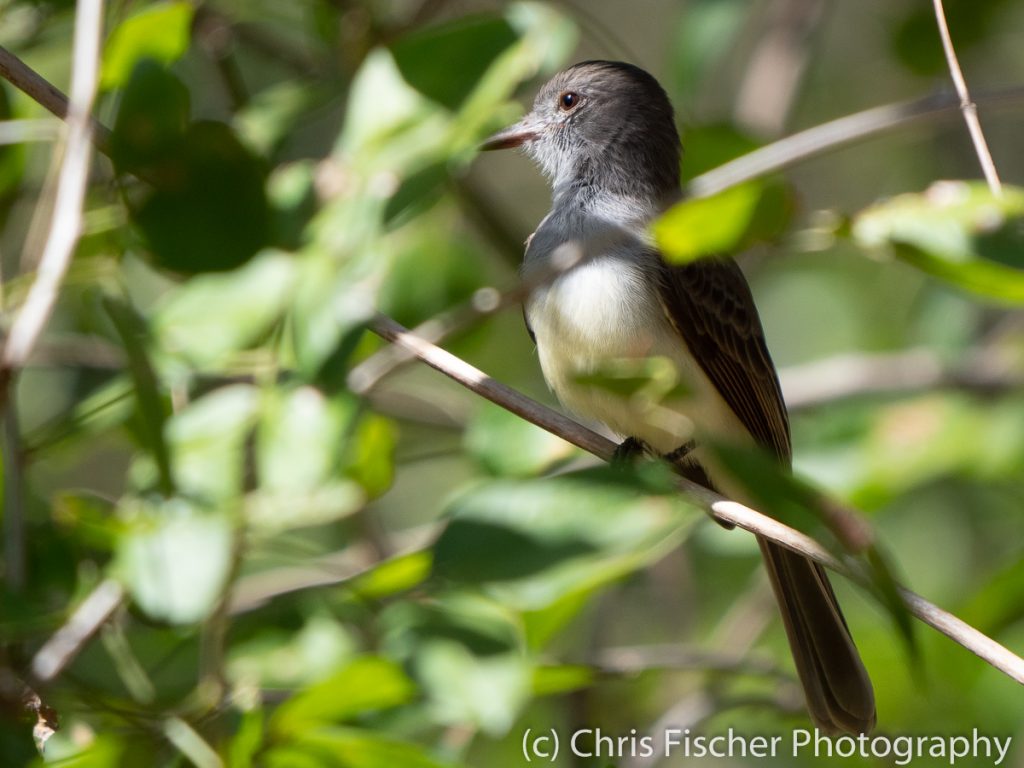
(44,93)
(722,509)
(915,370)
(66,223)
(61,649)
(834,134)
(967,107)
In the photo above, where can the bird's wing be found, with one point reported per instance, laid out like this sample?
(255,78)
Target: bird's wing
(710,305)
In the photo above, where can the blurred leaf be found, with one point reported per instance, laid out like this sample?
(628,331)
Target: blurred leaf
(956,231)
(247,740)
(152,118)
(507,444)
(707,31)
(647,380)
(351,748)
(211,316)
(709,146)
(269,512)
(432,270)
(916,38)
(207,439)
(387,121)
(275,657)
(365,684)
(487,692)
(552,680)
(90,517)
(708,226)
(480,624)
(12,156)
(399,574)
(776,492)
(174,559)
(211,214)
(151,407)
(543,539)
(370,459)
(271,115)
(298,440)
(473,41)
(159,32)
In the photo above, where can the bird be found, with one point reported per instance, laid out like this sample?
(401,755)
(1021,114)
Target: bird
(604,135)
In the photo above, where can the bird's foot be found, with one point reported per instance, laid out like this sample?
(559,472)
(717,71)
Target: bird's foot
(631,450)
(678,456)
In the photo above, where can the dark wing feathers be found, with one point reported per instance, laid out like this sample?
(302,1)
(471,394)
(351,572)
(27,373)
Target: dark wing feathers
(710,305)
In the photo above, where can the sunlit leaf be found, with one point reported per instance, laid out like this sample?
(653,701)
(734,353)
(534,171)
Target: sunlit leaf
(488,691)
(207,440)
(540,540)
(957,231)
(159,32)
(708,226)
(173,558)
(508,445)
(351,748)
(212,316)
(365,684)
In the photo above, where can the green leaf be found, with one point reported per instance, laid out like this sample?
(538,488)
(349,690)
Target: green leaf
(487,691)
(160,32)
(276,658)
(551,680)
(708,226)
(212,316)
(299,439)
(207,440)
(473,41)
(349,748)
(775,491)
(173,558)
(399,574)
(209,212)
(370,454)
(365,684)
(537,541)
(957,231)
(152,118)
(508,445)
(151,408)
(90,517)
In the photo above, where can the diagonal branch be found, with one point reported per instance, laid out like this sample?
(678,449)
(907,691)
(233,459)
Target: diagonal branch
(967,107)
(66,222)
(721,509)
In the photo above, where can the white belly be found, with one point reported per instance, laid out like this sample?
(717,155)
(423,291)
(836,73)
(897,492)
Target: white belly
(602,314)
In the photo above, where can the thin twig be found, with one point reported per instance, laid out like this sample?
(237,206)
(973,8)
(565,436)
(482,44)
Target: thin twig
(66,223)
(837,133)
(722,509)
(44,93)
(967,107)
(916,370)
(61,649)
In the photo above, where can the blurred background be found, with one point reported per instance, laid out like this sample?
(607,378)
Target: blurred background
(330,556)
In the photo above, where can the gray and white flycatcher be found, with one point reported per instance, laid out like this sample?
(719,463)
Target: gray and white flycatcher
(605,136)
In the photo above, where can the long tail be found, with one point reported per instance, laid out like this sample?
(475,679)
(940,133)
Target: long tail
(836,685)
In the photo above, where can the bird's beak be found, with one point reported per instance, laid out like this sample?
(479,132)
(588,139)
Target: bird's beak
(526,130)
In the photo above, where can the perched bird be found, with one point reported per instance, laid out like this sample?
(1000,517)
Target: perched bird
(604,134)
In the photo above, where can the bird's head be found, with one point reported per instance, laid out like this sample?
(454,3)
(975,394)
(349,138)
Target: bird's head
(600,123)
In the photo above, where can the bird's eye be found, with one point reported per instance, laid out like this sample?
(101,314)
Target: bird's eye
(568,101)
